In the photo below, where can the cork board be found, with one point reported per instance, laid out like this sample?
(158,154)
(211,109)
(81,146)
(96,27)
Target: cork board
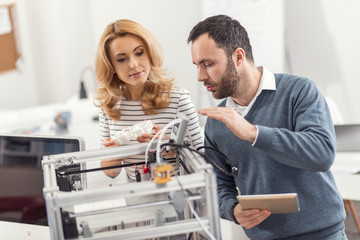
(9,52)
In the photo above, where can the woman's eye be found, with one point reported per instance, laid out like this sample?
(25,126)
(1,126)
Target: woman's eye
(139,53)
(121,60)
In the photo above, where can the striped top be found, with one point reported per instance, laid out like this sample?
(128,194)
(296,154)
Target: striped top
(132,113)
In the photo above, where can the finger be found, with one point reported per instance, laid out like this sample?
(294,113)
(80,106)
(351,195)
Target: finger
(108,142)
(239,211)
(147,136)
(249,215)
(261,217)
(156,128)
(256,219)
(250,212)
(246,216)
(203,111)
(150,136)
(218,113)
(206,111)
(242,215)
(142,139)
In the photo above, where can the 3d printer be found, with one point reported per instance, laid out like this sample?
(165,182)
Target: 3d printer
(172,206)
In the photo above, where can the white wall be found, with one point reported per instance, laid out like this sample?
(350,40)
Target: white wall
(19,88)
(56,42)
(323,44)
(61,42)
(60,38)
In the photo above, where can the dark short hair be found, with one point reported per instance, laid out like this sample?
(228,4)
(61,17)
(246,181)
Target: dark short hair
(227,33)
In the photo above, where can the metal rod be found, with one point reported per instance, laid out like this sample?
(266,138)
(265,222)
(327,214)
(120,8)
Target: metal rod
(110,210)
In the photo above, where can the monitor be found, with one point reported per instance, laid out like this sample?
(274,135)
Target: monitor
(22,206)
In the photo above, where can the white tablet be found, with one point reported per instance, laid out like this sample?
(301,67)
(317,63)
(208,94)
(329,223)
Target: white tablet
(276,203)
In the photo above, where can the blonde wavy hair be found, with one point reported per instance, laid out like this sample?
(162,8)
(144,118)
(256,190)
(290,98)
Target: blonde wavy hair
(157,89)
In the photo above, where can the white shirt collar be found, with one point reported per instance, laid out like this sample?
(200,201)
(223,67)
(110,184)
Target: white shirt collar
(267,82)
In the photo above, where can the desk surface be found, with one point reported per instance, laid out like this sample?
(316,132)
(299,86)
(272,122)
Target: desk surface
(344,169)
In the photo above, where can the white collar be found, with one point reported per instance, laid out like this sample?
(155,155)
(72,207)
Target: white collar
(267,82)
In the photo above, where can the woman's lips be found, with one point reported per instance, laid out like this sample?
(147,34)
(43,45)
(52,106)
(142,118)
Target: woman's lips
(135,75)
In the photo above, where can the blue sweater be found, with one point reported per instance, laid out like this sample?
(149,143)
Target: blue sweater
(294,151)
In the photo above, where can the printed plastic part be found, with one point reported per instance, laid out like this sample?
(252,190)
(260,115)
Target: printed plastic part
(127,134)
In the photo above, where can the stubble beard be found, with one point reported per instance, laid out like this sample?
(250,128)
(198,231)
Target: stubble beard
(229,82)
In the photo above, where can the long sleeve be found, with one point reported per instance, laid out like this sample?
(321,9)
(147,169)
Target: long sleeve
(186,107)
(227,191)
(104,126)
(308,140)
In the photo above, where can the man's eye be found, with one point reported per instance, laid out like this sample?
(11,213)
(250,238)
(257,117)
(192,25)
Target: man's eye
(207,64)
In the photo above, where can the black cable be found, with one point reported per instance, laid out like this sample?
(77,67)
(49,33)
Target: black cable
(69,172)
(181,163)
(202,155)
(216,150)
(184,166)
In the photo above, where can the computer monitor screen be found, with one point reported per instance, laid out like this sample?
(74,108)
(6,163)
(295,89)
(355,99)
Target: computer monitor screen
(21,176)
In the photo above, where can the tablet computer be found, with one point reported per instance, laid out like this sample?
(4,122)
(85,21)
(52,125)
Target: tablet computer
(276,203)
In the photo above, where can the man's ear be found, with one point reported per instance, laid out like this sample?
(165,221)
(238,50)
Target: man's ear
(239,56)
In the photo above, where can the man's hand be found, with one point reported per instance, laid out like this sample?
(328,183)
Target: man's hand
(250,218)
(233,120)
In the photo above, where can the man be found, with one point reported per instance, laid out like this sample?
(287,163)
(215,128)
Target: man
(276,131)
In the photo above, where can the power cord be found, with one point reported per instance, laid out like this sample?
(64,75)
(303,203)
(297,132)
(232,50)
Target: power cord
(233,169)
(205,157)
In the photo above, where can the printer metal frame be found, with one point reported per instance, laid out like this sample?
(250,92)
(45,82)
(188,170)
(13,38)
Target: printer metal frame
(88,210)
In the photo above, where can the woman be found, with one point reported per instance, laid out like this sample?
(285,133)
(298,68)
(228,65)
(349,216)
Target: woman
(133,86)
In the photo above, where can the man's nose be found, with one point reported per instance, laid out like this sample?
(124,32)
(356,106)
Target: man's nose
(202,75)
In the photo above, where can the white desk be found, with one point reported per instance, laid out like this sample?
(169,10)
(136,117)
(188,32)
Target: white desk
(346,170)
(346,163)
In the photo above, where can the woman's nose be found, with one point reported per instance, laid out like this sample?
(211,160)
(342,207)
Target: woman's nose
(133,63)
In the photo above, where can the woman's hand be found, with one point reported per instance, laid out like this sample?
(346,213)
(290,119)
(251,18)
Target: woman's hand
(146,137)
(108,163)
(110,143)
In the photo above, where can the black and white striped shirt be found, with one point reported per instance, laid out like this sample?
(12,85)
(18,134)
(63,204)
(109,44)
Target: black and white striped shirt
(132,113)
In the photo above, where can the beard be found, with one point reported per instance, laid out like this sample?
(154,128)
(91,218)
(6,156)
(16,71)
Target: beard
(228,83)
